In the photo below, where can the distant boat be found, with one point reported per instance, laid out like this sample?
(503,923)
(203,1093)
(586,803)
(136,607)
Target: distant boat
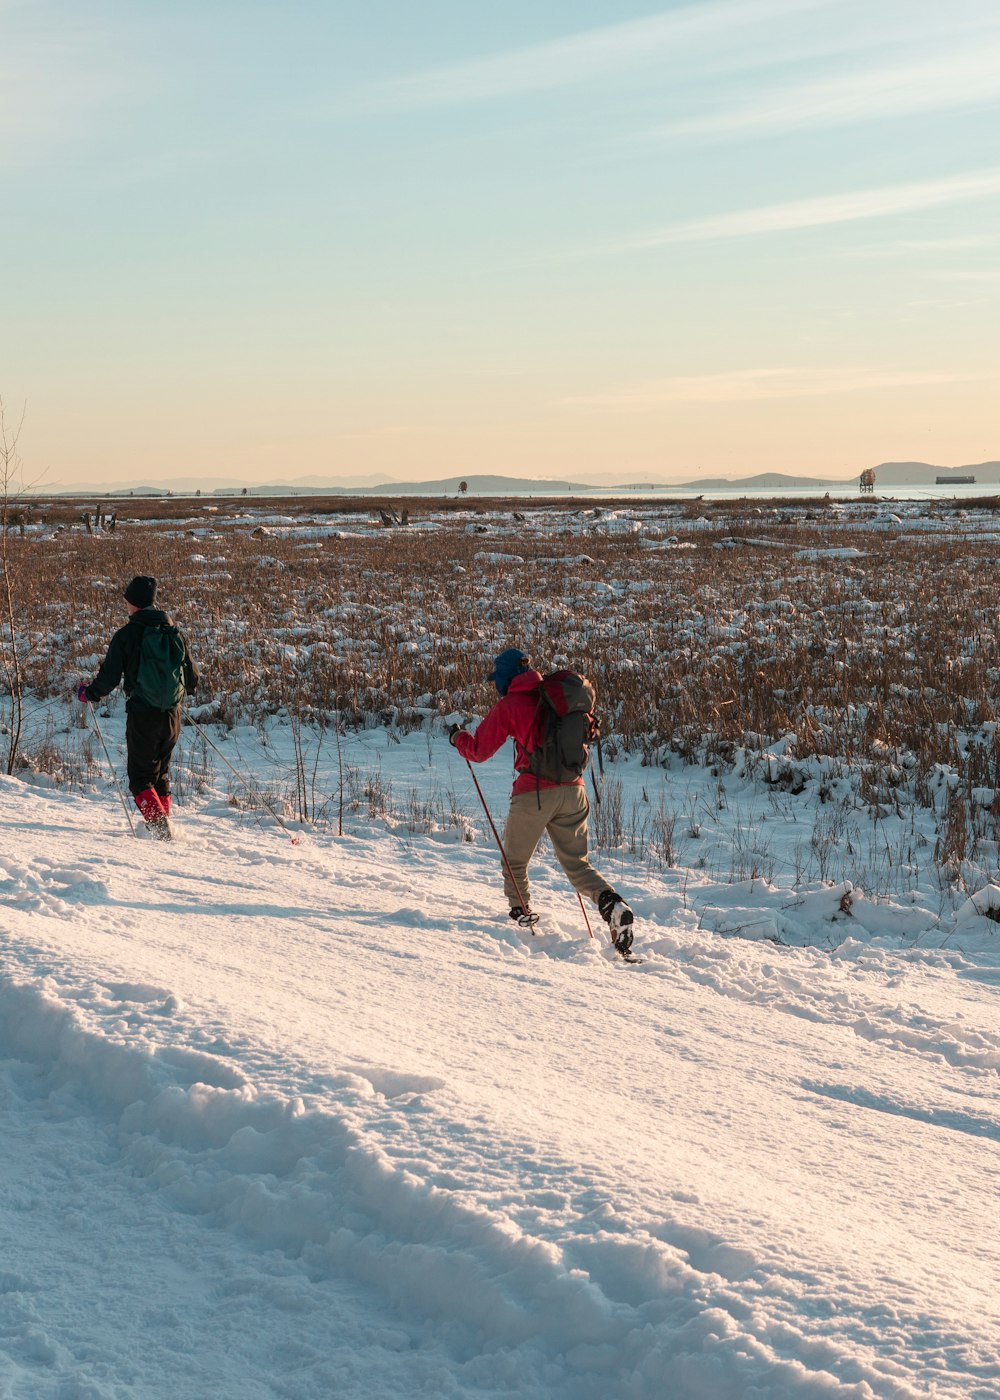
(955,480)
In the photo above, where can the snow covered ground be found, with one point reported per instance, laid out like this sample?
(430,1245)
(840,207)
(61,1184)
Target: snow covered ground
(313,1120)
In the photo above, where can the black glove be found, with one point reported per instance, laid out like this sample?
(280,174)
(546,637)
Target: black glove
(454,729)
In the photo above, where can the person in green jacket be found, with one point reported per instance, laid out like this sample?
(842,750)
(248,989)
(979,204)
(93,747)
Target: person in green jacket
(149,657)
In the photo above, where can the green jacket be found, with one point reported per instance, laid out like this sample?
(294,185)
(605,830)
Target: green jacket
(122,661)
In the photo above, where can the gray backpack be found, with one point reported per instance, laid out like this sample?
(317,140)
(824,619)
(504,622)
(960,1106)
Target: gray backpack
(566,727)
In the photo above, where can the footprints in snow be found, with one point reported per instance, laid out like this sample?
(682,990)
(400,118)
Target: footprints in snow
(392,1084)
(46,887)
(976,1125)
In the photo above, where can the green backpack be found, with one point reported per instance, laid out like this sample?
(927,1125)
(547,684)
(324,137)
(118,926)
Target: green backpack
(159,681)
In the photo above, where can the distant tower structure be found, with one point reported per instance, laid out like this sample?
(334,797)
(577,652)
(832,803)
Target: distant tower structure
(868,482)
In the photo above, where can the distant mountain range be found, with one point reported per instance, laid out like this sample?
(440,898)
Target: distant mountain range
(922,474)
(188,485)
(887,474)
(338,486)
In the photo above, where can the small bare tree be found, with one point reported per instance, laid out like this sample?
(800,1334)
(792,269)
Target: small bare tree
(11,486)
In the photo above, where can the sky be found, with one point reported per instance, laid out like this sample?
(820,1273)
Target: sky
(253,242)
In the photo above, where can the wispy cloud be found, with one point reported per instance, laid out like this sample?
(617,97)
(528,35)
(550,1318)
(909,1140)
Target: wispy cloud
(895,247)
(702,39)
(55,86)
(576,58)
(960,78)
(754,385)
(820,212)
(985,275)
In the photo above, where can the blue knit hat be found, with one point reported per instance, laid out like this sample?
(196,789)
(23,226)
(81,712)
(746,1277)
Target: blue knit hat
(509,663)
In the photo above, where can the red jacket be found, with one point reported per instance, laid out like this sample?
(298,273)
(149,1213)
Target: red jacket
(514,717)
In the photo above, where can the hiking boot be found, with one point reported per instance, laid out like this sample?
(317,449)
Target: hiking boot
(524,918)
(151,807)
(619,919)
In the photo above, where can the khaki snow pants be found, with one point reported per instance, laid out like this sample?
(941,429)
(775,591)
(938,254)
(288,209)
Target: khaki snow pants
(562,812)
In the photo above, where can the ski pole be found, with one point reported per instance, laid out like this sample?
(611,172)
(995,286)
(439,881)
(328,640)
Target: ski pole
(583,911)
(252,788)
(114,775)
(503,853)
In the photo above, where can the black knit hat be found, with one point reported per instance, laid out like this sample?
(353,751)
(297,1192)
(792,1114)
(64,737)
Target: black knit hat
(141,591)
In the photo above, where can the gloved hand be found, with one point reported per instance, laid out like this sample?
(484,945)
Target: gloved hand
(81,693)
(454,729)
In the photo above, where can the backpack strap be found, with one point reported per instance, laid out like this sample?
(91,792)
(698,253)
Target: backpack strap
(542,705)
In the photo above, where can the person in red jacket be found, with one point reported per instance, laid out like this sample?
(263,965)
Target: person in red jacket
(536,805)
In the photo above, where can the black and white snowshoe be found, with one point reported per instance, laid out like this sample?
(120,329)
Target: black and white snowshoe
(524,918)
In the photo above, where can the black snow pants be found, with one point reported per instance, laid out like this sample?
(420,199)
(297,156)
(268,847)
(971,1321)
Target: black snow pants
(150,736)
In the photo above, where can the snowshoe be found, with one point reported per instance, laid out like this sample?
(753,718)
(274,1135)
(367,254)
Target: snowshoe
(151,807)
(619,918)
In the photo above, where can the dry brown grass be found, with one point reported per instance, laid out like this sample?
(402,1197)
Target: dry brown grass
(887,658)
